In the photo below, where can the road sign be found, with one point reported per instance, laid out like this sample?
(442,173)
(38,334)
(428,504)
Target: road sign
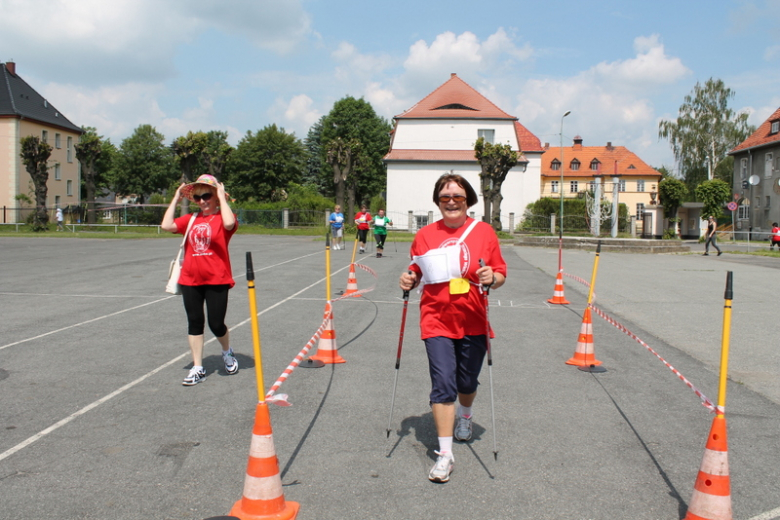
(732,206)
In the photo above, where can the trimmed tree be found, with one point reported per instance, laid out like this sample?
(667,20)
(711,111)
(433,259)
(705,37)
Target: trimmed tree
(35,157)
(88,152)
(495,160)
(714,194)
(672,192)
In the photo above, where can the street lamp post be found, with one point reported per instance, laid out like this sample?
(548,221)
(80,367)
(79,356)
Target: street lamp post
(560,193)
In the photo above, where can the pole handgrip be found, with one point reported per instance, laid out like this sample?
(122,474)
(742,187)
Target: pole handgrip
(729,285)
(250,272)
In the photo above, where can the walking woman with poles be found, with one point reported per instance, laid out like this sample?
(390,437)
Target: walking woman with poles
(445,260)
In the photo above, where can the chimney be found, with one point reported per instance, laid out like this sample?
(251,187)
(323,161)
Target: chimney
(577,142)
(609,146)
(546,146)
(453,74)
(11,67)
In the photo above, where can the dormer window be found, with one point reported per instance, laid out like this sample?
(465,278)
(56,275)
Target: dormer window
(595,165)
(575,165)
(555,165)
(775,127)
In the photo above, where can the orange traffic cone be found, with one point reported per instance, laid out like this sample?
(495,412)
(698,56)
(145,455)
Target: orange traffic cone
(558,297)
(712,492)
(584,355)
(352,287)
(327,351)
(263,497)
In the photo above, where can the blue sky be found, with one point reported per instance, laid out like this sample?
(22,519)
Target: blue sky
(239,65)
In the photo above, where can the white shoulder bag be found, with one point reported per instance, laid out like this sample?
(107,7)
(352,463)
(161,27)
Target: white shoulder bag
(175,270)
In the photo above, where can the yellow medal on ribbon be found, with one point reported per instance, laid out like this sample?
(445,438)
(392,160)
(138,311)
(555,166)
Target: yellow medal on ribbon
(459,286)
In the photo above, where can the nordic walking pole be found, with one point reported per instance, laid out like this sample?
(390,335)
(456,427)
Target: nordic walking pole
(398,359)
(486,290)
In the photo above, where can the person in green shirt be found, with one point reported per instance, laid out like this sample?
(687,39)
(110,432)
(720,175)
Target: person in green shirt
(380,231)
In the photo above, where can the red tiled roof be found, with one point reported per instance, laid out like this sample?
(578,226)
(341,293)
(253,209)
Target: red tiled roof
(455,99)
(434,155)
(527,141)
(628,163)
(761,136)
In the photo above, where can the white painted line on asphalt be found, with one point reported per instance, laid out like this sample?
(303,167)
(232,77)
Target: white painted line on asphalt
(136,307)
(84,323)
(769,515)
(115,393)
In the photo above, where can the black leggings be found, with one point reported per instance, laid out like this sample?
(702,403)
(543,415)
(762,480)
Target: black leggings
(380,241)
(362,234)
(216,298)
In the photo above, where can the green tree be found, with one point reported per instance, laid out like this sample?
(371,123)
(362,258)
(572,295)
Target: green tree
(672,192)
(35,157)
(144,164)
(495,160)
(89,152)
(217,153)
(705,130)
(314,153)
(356,119)
(265,163)
(343,157)
(714,194)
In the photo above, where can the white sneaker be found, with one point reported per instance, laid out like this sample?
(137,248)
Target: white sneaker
(463,428)
(440,472)
(195,376)
(231,365)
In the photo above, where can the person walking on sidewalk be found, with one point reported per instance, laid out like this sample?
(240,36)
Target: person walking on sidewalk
(362,219)
(337,227)
(445,260)
(58,216)
(380,231)
(712,236)
(206,275)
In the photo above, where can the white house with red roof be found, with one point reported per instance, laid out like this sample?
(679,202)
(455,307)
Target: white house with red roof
(757,178)
(437,135)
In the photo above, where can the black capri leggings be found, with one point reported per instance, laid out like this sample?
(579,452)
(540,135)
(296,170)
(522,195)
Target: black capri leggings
(216,298)
(362,234)
(380,241)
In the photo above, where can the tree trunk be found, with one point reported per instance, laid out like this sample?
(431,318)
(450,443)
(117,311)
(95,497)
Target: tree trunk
(486,198)
(41,219)
(496,214)
(351,198)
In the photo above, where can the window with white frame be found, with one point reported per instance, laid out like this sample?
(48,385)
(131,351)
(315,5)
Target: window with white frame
(640,209)
(592,186)
(640,185)
(57,172)
(575,165)
(743,212)
(622,185)
(45,136)
(57,140)
(743,169)
(775,127)
(555,165)
(69,188)
(487,134)
(768,165)
(595,165)
(573,187)
(70,149)
(554,187)
(57,201)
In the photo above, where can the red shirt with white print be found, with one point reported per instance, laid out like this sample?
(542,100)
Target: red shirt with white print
(456,315)
(206,257)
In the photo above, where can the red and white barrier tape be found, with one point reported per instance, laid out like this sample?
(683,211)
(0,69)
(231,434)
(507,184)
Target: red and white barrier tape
(581,280)
(705,400)
(281,399)
(360,291)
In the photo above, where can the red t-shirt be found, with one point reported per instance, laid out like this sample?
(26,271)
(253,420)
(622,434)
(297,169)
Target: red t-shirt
(365,216)
(206,257)
(775,237)
(456,315)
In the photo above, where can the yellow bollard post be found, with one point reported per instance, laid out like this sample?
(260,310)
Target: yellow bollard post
(263,495)
(711,498)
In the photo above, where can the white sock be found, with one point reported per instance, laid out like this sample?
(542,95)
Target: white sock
(464,411)
(445,444)
(198,367)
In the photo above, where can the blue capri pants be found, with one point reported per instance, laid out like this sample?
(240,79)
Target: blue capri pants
(454,365)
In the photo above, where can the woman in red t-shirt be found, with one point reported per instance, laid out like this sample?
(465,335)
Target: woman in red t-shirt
(452,311)
(775,236)
(206,275)
(362,219)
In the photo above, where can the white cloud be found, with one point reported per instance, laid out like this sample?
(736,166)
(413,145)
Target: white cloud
(300,112)
(772,53)
(649,68)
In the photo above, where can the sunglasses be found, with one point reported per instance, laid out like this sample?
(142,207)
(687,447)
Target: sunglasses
(456,198)
(205,197)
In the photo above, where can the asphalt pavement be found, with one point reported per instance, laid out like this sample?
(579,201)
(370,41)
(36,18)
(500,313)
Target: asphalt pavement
(96,424)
